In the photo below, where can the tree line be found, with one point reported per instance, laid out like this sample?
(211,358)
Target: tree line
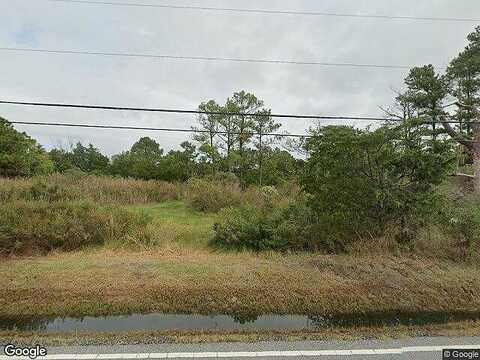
(233,137)
(237,144)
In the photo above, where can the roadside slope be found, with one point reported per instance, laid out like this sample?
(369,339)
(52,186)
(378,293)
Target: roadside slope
(101,282)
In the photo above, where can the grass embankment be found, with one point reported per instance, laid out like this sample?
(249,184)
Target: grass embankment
(183,275)
(113,282)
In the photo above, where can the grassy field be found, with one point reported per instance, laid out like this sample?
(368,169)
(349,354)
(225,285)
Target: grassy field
(175,226)
(183,275)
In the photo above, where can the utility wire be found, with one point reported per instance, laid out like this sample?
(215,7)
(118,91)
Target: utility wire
(220,113)
(269,12)
(183,111)
(302,136)
(155,129)
(206,58)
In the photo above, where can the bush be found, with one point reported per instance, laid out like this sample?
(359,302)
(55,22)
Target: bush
(245,227)
(460,218)
(212,194)
(279,227)
(363,183)
(40,227)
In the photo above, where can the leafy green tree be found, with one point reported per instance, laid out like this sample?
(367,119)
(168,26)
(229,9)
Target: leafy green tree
(141,162)
(179,165)
(359,181)
(62,159)
(20,155)
(89,158)
(122,165)
(278,166)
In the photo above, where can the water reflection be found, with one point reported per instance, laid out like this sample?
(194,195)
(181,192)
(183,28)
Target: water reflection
(239,321)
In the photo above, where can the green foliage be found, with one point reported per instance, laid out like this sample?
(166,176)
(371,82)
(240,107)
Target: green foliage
(85,158)
(141,162)
(237,143)
(211,194)
(40,227)
(277,167)
(88,158)
(244,227)
(459,218)
(146,161)
(276,227)
(20,155)
(179,165)
(463,75)
(62,160)
(360,181)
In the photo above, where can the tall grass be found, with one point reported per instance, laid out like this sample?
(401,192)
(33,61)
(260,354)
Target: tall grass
(77,186)
(30,227)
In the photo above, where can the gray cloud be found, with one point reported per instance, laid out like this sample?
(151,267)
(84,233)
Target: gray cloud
(168,83)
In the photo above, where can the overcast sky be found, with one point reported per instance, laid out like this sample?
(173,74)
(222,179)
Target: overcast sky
(138,82)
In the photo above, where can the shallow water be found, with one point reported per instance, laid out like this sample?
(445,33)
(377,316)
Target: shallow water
(159,322)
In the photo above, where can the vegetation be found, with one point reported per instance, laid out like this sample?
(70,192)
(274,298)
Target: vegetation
(20,155)
(233,223)
(191,280)
(213,193)
(40,227)
(75,185)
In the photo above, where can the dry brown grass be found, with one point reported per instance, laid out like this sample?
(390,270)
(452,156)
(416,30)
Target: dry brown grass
(101,189)
(100,282)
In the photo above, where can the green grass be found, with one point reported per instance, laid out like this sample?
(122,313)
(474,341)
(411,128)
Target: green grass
(175,224)
(178,212)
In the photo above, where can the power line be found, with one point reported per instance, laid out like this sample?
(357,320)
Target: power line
(269,12)
(183,111)
(220,113)
(154,129)
(207,58)
(305,136)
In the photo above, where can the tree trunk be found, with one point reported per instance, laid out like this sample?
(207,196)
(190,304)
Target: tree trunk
(475,148)
(212,154)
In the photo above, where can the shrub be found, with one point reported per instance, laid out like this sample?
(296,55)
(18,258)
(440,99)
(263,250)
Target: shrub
(245,227)
(280,227)
(364,182)
(460,218)
(211,194)
(40,227)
